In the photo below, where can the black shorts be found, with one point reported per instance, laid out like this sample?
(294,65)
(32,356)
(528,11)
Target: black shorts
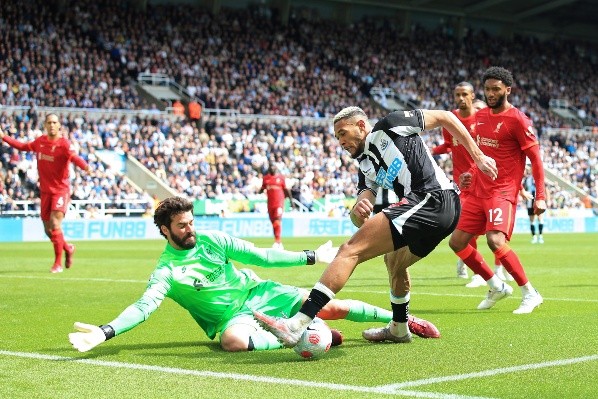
(530,210)
(422,220)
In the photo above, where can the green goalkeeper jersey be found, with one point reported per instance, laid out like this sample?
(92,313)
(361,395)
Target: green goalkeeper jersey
(204,281)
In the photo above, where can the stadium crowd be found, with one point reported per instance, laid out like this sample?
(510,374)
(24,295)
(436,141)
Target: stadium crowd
(254,65)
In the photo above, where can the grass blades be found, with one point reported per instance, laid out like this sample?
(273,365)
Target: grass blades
(551,353)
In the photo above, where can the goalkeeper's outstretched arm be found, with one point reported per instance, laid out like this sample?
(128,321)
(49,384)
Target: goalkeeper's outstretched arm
(89,336)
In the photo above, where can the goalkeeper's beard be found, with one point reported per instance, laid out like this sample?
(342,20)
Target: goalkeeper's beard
(186,242)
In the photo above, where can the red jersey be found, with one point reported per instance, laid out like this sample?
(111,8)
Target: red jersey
(462,161)
(275,187)
(503,137)
(53,159)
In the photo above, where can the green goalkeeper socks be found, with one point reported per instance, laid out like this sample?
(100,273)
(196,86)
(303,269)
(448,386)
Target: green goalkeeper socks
(263,341)
(364,312)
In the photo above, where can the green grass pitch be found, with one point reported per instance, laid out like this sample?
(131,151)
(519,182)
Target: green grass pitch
(551,353)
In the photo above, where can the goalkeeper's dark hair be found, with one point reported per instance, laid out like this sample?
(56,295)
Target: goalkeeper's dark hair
(169,208)
(498,73)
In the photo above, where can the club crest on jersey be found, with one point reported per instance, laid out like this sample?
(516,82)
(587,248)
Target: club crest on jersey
(383,144)
(498,126)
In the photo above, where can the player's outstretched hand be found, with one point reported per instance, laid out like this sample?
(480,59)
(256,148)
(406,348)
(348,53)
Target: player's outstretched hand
(326,252)
(488,166)
(87,337)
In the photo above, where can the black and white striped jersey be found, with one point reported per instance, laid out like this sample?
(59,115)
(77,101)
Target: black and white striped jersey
(396,158)
(385,197)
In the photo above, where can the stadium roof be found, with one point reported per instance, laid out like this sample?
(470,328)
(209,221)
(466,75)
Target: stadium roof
(562,18)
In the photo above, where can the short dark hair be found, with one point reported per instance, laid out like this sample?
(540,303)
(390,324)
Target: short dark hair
(498,73)
(169,208)
(465,84)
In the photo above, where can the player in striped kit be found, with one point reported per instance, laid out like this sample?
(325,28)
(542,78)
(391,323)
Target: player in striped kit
(392,155)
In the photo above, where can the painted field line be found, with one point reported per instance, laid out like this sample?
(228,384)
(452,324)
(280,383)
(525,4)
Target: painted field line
(241,377)
(110,280)
(489,373)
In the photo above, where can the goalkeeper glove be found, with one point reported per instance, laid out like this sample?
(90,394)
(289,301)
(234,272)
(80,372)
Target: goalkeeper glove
(326,252)
(89,336)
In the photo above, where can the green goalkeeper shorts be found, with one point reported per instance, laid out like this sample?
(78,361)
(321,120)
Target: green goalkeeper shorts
(271,298)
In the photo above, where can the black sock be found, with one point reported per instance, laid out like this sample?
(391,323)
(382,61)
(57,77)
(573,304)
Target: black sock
(533,229)
(314,303)
(400,312)
(540,228)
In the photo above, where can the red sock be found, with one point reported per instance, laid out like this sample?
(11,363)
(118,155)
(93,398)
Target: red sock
(277,227)
(511,262)
(57,239)
(475,261)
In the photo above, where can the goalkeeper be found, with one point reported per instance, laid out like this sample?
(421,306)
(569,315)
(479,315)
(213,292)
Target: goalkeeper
(195,270)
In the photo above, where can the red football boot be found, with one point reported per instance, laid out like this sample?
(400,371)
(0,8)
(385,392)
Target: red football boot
(422,328)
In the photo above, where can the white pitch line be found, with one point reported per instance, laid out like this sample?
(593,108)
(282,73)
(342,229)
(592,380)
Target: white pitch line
(109,280)
(240,377)
(488,373)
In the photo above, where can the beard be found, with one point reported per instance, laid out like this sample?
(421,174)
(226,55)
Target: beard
(187,241)
(499,102)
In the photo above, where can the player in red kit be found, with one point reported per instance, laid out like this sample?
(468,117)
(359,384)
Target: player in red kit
(276,191)
(53,156)
(504,133)
(467,106)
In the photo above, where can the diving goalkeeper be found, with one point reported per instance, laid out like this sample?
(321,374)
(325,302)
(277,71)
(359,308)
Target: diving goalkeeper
(195,270)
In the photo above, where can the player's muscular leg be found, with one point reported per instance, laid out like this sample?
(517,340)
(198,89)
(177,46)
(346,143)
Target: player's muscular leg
(397,263)
(336,309)
(236,337)
(371,240)
(459,240)
(54,223)
(496,239)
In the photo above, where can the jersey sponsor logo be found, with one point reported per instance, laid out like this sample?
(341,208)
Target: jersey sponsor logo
(480,123)
(385,178)
(488,142)
(44,157)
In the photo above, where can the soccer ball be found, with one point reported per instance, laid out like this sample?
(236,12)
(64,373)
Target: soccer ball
(315,341)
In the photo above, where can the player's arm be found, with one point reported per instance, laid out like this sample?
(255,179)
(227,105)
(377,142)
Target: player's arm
(288,194)
(88,336)
(246,252)
(15,143)
(446,147)
(447,120)
(533,153)
(363,208)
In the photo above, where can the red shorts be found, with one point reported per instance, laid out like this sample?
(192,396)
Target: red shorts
(275,213)
(54,202)
(480,215)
